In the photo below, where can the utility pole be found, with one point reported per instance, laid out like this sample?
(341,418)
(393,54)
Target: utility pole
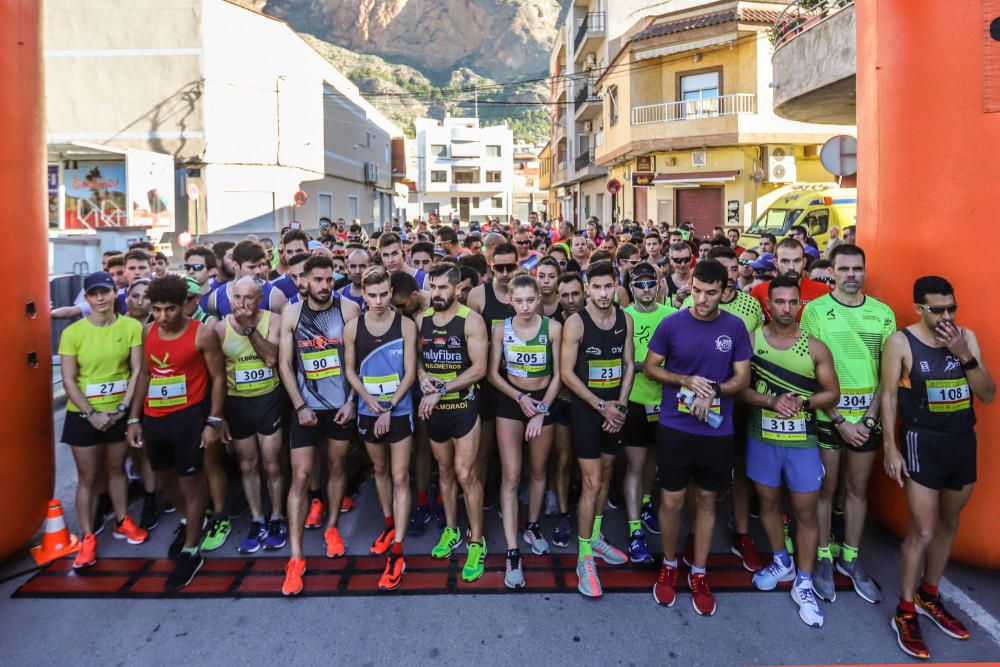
(476,90)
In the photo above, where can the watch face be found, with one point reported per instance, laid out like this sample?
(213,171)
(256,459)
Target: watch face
(543,408)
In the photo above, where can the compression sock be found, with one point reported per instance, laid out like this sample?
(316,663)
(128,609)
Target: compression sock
(597,526)
(585,549)
(849,553)
(634,526)
(647,499)
(824,552)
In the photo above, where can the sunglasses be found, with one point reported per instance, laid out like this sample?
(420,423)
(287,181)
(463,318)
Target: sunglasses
(644,284)
(940,310)
(745,262)
(523,242)
(505,268)
(680,260)
(562,263)
(827,281)
(194,267)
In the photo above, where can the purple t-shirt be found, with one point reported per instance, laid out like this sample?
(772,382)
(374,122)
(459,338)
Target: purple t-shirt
(709,349)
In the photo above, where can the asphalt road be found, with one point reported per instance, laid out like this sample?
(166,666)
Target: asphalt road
(522,628)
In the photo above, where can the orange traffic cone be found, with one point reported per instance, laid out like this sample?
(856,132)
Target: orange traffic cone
(56,542)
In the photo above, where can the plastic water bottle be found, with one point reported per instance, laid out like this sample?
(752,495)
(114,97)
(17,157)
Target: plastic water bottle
(686,396)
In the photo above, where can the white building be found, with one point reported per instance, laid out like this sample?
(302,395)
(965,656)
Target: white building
(528,196)
(464,170)
(248,111)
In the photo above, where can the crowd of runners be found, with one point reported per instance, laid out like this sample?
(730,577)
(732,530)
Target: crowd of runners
(566,370)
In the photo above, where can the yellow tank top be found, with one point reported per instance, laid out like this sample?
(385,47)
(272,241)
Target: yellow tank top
(247,375)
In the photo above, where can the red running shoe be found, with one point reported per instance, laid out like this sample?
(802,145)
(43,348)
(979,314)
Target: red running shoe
(347,504)
(334,543)
(392,577)
(933,608)
(383,542)
(749,558)
(665,588)
(127,530)
(87,555)
(294,570)
(908,634)
(315,517)
(701,597)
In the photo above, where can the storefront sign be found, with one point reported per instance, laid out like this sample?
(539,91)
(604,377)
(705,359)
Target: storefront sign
(645,163)
(642,180)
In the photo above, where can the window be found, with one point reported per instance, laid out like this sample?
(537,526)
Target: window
(465,175)
(439,176)
(475,202)
(492,151)
(496,202)
(817,221)
(439,150)
(493,177)
(699,86)
(613,104)
(352,207)
(325,205)
(454,202)
(586,206)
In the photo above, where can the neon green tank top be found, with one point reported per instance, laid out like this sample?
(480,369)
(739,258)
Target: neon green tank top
(247,376)
(774,372)
(645,391)
(527,358)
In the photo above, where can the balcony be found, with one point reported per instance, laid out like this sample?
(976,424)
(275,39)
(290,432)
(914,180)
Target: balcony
(592,27)
(586,103)
(584,159)
(711,107)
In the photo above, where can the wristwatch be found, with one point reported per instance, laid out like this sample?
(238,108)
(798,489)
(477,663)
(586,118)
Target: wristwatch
(600,404)
(122,408)
(621,408)
(387,405)
(87,415)
(543,408)
(970,364)
(443,389)
(248,331)
(838,420)
(214,422)
(870,423)
(717,389)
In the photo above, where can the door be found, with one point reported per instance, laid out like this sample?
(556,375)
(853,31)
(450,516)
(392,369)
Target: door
(664,211)
(641,205)
(701,208)
(463,208)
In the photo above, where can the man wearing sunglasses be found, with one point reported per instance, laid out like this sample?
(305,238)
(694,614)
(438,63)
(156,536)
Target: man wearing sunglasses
(199,261)
(855,327)
(930,371)
(678,281)
(526,257)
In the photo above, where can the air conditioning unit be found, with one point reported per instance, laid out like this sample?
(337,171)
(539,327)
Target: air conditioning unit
(779,164)
(371,172)
(591,60)
(588,126)
(699,158)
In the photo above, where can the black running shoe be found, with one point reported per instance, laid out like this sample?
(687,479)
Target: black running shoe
(185,567)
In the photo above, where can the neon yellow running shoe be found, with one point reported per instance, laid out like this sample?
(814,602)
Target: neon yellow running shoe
(450,540)
(475,564)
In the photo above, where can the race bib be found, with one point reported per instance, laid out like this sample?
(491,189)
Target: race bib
(107,393)
(604,373)
(652,412)
(855,402)
(385,385)
(522,360)
(948,395)
(251,375)
(167,391)
(321,364)
(445,377)
(681,407)
(789,430)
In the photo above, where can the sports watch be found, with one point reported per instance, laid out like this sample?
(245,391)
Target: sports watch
(248,331)
(870,423)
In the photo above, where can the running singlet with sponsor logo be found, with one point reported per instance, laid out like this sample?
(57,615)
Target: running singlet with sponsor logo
(246,373)
(855,336)
(446,356)
(178,375)
(319,353)
(381,364)
(223,307)
(494,310)
(527,358)
(645,391)
(936,395)
(743,306)
(774,372)
(599,357)
(102,359)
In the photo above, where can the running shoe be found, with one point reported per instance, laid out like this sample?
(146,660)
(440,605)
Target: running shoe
(749,558)
(277,535)
(150,517)
(294,569)
(786,526)
(252,542)
(382,542)
(864,585)
(908,635)
(589,583)
(563,532)
(334,543)
(475,562)
(551,503)
(805,598)
(314,519)
(450,540)
(533,535)
(688,556)
(823,580)
(638,550)
(127,530)
(180,535)
(347,504)
(514,577)
(169,507)
(418,522)
(768,578)
(701,596)
(185,567)
(932,607)
(87,555)
(218,533)
(608,553)
(665,588)
(392,576)
(650,519)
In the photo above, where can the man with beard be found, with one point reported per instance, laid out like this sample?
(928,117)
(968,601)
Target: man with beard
(310,358)
(453,349)
(789,258)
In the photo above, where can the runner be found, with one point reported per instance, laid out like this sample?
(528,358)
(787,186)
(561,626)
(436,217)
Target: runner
(855,327)
(792,376)
(930,371)
(453,359)
(381,364)
(789,258)
(249,259)
(100,355)
(294,242)
(523,345)
(677,284)
(390,250)
(598,367)
(249,339)
(136,303)
(357,263)
(643,413)
(182,377)
(547,274)
(707,361)
(199,263)
(310,360)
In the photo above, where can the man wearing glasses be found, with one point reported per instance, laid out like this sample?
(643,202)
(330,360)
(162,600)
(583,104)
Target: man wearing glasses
(930,371)
(199,261)
(678,282)
(526,257)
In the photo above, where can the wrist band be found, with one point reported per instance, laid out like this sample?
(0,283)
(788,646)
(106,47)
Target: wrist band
(132,420)
(300,408)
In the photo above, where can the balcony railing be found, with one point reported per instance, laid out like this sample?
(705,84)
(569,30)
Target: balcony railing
(710,107)
(584,160)
(592,23)
(801,15)
(584,94)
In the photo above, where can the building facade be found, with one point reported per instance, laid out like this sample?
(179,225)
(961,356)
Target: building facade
(527,195)
(249,113)
(464,170)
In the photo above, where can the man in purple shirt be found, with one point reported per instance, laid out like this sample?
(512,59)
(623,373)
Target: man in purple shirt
(701,356)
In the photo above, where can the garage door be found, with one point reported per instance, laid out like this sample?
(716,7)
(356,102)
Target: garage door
(701,207)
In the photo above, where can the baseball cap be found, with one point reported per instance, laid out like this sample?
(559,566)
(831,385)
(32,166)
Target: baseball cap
(98,279)
(312,245)
(764,263)
(192,286)
(642,270)
(812,251)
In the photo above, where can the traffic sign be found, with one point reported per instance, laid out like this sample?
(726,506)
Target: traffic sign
(614,186)
(184,239)
(840,155)
(300,198)
(192,191)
